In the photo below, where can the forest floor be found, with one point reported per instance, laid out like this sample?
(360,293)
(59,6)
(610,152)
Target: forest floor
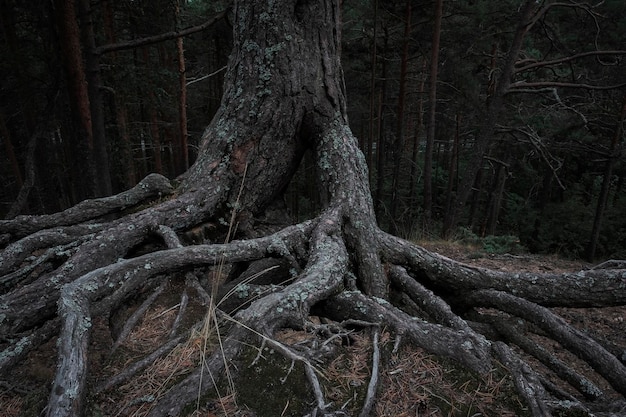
(412,382)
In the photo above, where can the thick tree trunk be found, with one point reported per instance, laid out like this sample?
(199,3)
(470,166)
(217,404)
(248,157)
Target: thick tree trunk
(283,96)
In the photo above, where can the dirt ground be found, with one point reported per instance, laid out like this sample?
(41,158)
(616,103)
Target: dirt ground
(412,382)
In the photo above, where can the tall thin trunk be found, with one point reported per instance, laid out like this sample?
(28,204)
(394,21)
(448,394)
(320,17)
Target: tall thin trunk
(96,102)
(495,198)
(606,184)
(82,147)
(432,113)
(453,163)
(372,103)
(381,146)
(126,164)
(475,192)
(182,100)
(419,127)
(126,150)
(494,109)
(398,150)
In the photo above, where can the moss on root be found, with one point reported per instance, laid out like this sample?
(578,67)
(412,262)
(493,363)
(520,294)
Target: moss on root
(269,386)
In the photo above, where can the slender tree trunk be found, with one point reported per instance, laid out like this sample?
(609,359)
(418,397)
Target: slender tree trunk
(381,143)
(96,102)
(373,95)
(183,163)
(432,115)
(495,198)
(494,110)
(151,108)
(606,183)
(419,127)
(453,164)
(82,161)
(475,195)
(126,163)
(182,107)
(399,144)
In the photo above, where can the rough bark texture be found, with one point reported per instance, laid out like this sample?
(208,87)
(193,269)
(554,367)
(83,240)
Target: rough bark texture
(283,96)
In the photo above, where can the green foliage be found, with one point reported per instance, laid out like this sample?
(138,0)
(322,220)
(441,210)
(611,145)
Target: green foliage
(502,244)
(492,244)
(562,132)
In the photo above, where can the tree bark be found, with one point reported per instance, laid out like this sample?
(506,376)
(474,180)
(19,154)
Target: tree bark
(399,144)
(432,113)
(372,92)
(76,79)
(183,162)
(283,97)
(96,102)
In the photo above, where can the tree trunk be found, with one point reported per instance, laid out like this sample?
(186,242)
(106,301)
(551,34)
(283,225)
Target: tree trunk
(283,97)
(453,164)
(183,162)
(495,198)
(493,111)
(419,127)
(373,94)
(71,56)
(398,150)
(96,102)
(606,183)
(432,113)
(381,143)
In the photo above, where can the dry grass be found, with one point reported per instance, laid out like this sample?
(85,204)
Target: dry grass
(415,383)
(412,382)
(136,396)
(10,406)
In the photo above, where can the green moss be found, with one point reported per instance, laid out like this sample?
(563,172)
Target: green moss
(269,389)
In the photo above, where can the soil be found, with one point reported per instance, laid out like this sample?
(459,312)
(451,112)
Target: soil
(412,382)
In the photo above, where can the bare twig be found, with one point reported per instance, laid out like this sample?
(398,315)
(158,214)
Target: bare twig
(184,300)
(373,384)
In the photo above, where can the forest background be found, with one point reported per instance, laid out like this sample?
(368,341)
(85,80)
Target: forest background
(89,109)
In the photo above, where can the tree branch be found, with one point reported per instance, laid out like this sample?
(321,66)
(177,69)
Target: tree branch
(120,46)
(541,64)
(520,85)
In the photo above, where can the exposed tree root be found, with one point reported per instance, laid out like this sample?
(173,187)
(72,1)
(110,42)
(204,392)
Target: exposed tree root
(59,273)
(373,385)
(324,286)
